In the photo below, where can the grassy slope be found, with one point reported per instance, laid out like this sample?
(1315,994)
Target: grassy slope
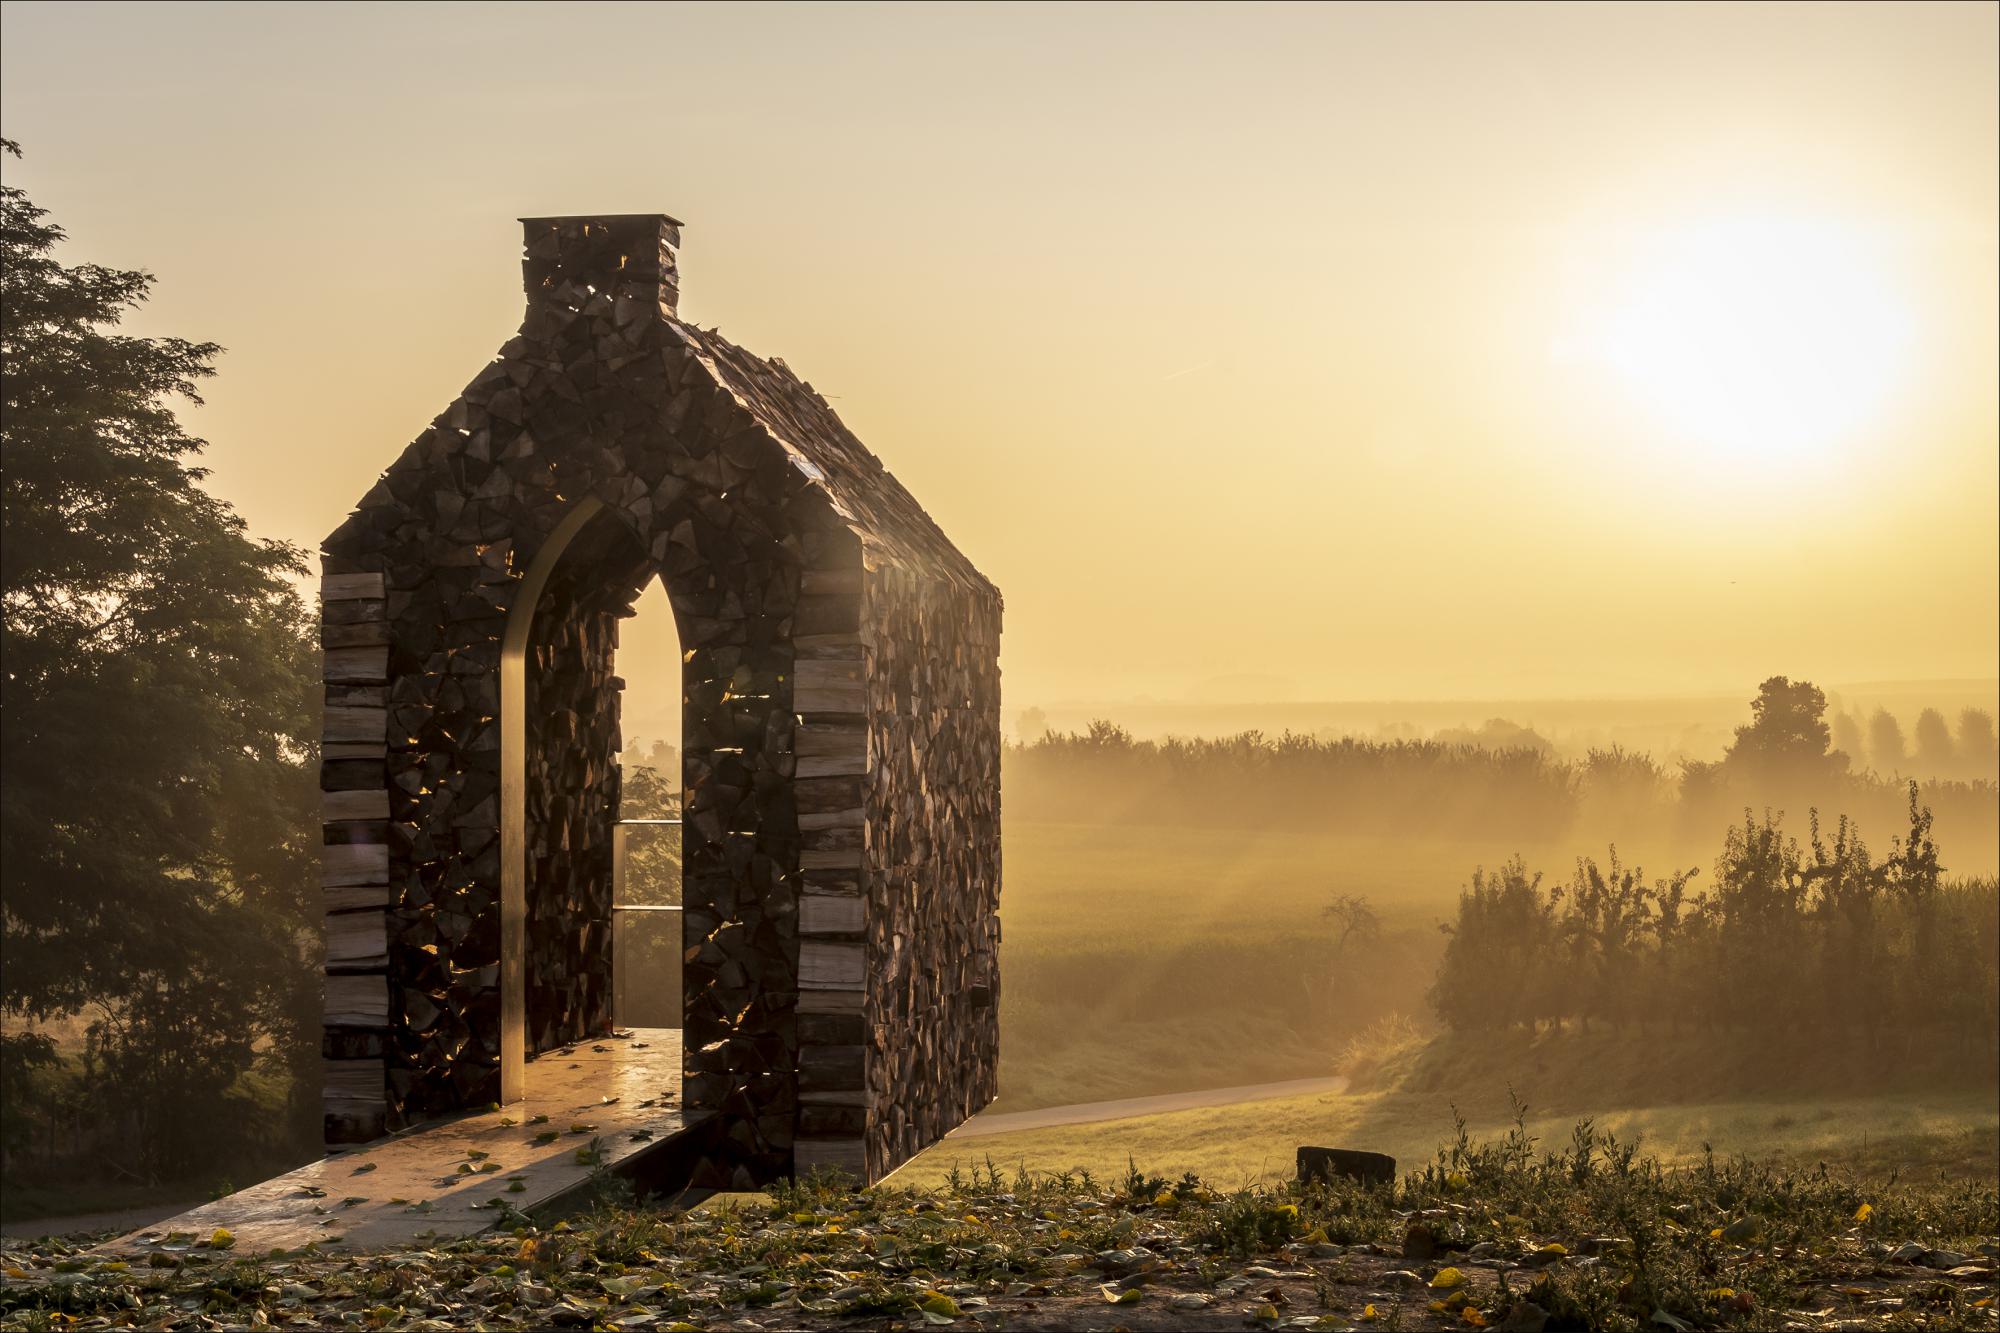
(1256,1141)
(1673,1093)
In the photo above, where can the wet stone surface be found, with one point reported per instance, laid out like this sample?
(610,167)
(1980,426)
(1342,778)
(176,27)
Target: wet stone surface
(588,1108)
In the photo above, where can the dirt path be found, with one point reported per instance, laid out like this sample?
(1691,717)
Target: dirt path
(1083,1113)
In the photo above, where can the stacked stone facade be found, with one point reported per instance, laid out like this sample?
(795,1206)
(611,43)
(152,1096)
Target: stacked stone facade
(840,734)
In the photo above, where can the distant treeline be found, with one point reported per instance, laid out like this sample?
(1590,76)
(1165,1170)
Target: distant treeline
(1524,794)
(1794,942)
(1255,780)
(1931,749)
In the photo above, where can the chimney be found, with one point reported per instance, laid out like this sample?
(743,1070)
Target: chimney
(629,254)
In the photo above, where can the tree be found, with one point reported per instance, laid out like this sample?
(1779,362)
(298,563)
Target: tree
(1354,923)
(1934,748)
(1885,743)
(1787,737)
(1847,738)
(156,824)
(663,759)
(1032,725)
(1978,750)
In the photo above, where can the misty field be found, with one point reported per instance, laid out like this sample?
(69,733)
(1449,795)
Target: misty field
(1766,984)
(1141,959)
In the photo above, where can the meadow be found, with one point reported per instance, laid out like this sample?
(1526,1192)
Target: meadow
(1675,1102)
(1142,959)
(1148,952)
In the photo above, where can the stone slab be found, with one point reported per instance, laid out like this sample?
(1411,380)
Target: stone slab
(392,1191)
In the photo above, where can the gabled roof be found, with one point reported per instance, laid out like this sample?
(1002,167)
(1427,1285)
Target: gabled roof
(620,271)
(794,414)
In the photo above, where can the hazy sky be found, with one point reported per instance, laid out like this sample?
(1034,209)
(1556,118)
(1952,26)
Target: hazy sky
(1361,352)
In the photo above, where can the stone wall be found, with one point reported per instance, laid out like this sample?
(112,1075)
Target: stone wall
(932,851)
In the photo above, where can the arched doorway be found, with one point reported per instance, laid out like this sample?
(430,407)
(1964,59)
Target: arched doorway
(561,830)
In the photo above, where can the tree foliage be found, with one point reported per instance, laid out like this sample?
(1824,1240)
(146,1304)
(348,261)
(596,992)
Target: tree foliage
(1789,939)
(1787,738)
(158,711)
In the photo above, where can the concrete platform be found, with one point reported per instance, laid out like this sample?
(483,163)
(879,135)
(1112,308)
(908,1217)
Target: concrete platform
(606,1104)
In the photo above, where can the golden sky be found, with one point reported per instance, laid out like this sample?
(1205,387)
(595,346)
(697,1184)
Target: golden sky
(1358,352)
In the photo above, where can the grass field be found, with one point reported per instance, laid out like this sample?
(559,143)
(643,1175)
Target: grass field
(1953,1132)
(1082,887)
(1141,959)
(1674,1091)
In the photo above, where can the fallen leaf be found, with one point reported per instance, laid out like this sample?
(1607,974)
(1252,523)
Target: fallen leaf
(1743,1229)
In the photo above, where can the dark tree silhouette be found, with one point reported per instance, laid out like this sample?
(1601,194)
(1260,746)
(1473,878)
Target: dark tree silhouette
(158,720)
(1787,737)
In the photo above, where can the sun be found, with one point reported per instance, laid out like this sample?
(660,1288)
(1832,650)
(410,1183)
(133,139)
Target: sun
(1768,340)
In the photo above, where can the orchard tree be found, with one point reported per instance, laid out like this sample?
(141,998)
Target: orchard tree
(1978,749)
(1935,756)
(156,713)
(1847,738)
(1885,743)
